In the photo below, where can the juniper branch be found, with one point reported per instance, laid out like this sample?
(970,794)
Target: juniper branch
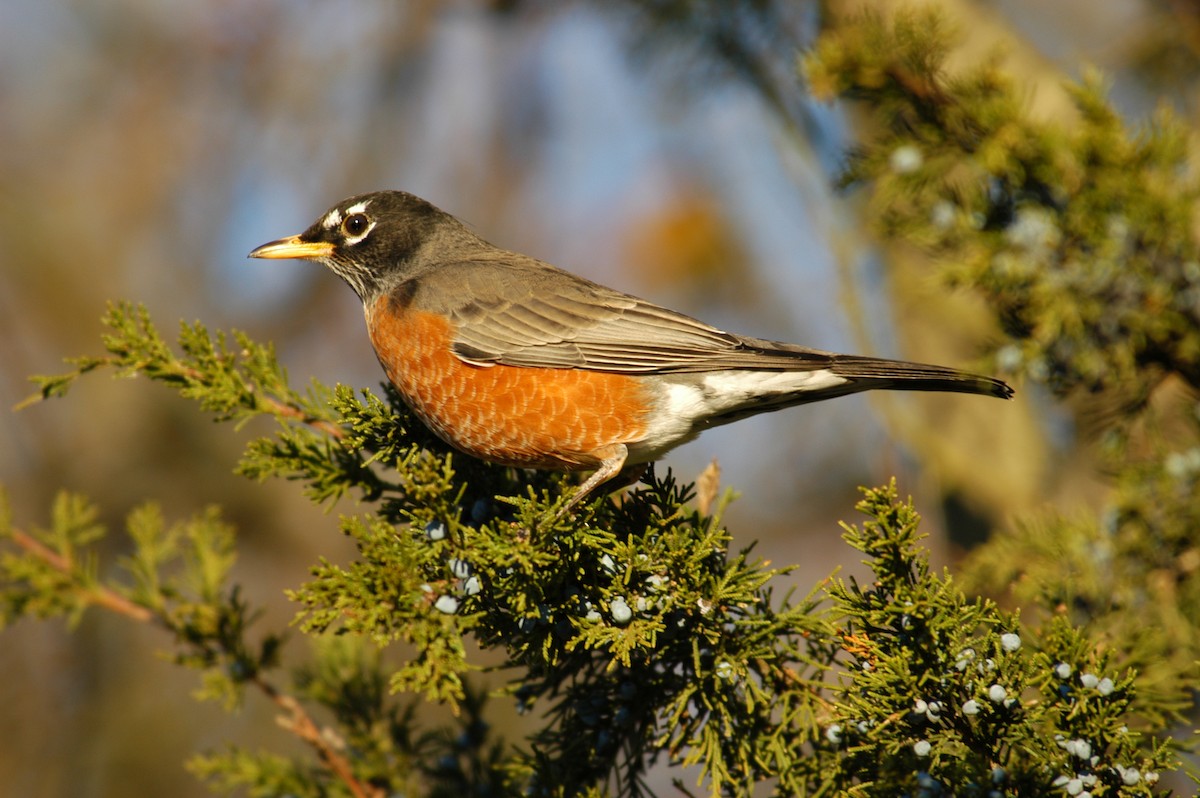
(88,591)
(231,384)
(98,595)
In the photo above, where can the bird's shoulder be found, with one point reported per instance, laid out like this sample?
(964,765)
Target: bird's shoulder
(473,285)
(510,309)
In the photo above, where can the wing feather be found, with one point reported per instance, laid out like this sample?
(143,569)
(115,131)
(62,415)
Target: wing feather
(538,316)
(534,315)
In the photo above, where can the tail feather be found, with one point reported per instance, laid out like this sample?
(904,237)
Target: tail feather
(903,376)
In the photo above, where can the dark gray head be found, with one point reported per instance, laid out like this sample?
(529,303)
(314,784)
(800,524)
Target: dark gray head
(374,241)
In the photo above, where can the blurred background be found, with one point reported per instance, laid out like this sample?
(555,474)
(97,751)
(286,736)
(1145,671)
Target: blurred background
(663,148)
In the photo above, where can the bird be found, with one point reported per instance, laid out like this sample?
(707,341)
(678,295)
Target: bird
(520,363)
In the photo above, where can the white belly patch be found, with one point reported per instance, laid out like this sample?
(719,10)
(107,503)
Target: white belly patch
(687,408)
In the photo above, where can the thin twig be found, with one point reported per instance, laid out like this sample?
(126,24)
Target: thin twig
(178,370)
(291,411)
(298,721)
(301,724)
(793,679)
(99,595)
(278,408)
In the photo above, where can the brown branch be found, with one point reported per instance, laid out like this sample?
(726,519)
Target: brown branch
(301,724)
(1187,22)
(298,721)
(99,595)
(275,406)
(291,411)
(266,404)
(790,678)
(926,89)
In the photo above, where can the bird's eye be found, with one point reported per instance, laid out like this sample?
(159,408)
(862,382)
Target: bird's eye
(356,224)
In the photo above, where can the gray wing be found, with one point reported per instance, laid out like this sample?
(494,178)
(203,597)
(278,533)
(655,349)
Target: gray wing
(531,314)
(542,317)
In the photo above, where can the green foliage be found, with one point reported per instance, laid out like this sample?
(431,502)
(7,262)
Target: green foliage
(177,577)
(978,704)
(1081,239)
(59,583)
(637,647)
(1080,235)
(1128,575)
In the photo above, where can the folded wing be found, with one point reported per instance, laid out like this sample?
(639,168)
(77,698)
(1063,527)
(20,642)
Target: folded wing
(549,319)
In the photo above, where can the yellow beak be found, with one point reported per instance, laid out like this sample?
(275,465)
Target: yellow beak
(293,247)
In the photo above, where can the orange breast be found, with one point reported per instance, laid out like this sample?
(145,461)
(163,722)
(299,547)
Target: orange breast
(529,417)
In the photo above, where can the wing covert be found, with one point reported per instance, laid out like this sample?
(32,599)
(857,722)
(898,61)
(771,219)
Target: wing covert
(558,323)
(536,316)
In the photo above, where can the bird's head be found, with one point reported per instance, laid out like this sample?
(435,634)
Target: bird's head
(372,241)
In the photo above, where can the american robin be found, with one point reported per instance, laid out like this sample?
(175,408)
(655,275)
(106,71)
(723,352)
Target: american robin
(518,362)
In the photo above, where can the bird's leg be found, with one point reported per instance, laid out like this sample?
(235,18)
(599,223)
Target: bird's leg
(611,462)
(629,476)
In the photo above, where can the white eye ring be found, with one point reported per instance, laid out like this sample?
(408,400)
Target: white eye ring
(356,227)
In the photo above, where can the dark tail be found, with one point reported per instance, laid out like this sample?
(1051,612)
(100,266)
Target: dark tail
(901,376)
